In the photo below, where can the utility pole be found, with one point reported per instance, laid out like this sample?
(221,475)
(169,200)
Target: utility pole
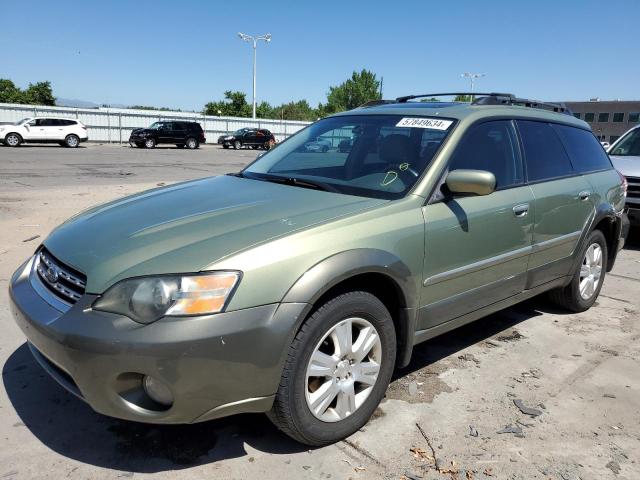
(472,77)
(254,39)
(381,81)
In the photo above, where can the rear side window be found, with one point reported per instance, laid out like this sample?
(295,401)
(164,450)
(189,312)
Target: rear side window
(491,146)
(544,154)
(585,152)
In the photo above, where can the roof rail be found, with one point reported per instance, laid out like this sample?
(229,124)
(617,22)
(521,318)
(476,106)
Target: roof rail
(495,98)
(373,103)
(411,97)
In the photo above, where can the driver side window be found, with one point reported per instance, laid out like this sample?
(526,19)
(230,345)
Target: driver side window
(491,146)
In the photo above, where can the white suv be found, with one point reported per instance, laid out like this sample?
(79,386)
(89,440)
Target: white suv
(64,131)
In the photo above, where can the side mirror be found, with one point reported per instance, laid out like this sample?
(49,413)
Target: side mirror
(477,182)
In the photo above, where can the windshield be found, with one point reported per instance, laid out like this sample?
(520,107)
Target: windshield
(240,132)
(156,126)
(22,121)
(629,145)
(383,157)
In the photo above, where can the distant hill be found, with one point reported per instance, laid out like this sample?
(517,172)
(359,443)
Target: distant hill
(72,102)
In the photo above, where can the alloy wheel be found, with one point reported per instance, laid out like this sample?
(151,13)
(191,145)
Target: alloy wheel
(590,271)
(191,143)
(343,369)
(72,141)
(12,140)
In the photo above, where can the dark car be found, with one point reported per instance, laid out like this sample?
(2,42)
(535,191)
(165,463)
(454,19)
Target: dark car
(181,134)
(250,137)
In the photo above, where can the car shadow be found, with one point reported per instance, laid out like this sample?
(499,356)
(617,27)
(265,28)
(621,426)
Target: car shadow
(633,239)
(71,428)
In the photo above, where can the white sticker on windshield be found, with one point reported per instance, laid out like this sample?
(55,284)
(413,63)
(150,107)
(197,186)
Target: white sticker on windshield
(432,123)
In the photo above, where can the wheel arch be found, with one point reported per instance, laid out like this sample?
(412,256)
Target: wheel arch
(609,223)
(14,133)
(376,271)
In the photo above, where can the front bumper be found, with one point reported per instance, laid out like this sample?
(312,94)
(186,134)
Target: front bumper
(214,365)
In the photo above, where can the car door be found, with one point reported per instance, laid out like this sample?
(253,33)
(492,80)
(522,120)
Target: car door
(59,129)
(477,247)
(165,133)
(36,129)
(251,136)
(178,132)
(563,203)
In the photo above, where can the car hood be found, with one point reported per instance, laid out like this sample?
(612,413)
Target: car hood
(185,227)
(629,166)
(138,131)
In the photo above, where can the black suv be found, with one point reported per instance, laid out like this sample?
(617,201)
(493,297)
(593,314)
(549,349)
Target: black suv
(189,134)
(251,137)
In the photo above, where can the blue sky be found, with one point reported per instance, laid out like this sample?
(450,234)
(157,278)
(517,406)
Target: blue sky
(183,53)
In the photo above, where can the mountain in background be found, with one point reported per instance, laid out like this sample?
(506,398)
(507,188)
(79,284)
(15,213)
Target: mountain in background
(75,103)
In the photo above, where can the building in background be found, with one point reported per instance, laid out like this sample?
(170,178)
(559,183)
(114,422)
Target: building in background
(609,119)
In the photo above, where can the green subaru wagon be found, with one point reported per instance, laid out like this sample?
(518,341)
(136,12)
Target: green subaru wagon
(296,286)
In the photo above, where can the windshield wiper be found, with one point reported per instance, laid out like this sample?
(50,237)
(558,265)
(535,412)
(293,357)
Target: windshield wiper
(293,181)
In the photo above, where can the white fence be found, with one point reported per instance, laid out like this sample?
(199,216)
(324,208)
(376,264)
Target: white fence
(113,125)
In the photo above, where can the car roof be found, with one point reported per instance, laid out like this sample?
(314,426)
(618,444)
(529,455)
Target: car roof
(466,111)
(52,118)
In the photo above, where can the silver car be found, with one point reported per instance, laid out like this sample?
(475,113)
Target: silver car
(625,155)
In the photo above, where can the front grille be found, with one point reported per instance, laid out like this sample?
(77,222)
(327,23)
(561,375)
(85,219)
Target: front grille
(63,281)
(633,191)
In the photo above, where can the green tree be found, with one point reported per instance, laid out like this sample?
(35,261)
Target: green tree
(234,105)
(462,98)
(39,94)
(360,88)
(300,110)
(9,93)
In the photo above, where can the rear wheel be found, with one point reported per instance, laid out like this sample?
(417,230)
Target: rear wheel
(13,140)
(587,280)
(337,370)
(192,143)
(72,141)
(237,145)
(149,143)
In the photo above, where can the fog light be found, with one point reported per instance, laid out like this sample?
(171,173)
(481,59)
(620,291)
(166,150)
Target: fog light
(157,390)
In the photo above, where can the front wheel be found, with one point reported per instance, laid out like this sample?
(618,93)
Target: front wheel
(237,145)
(587,280)
(337,370)
(192,143)
(149,143)
(13,140)
(72,141)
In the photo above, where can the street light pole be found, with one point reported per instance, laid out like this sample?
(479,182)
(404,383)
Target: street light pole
(254,40)
(472,77)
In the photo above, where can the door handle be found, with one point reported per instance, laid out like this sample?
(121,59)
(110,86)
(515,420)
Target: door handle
(584,195)
(521,210)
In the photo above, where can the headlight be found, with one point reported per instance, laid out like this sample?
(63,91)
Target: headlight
(147,299)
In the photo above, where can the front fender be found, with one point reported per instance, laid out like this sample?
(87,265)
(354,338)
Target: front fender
(328,273)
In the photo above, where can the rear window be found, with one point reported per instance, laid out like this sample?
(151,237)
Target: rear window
(585,152)
(545,155)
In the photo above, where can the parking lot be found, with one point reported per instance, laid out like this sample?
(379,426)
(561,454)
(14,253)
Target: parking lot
(453,413)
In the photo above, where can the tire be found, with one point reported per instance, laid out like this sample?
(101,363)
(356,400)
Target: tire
(180,145)
(292,412)
(588,278)
(237,145)
(72,141)
(225,146)
(150,143)
(266,145)
(192,143)
(13,140)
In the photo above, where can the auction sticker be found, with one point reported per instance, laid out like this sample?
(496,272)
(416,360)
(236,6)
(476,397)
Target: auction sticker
(421,122)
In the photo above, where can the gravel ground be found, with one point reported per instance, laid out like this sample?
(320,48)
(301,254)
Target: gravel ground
(530,392)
